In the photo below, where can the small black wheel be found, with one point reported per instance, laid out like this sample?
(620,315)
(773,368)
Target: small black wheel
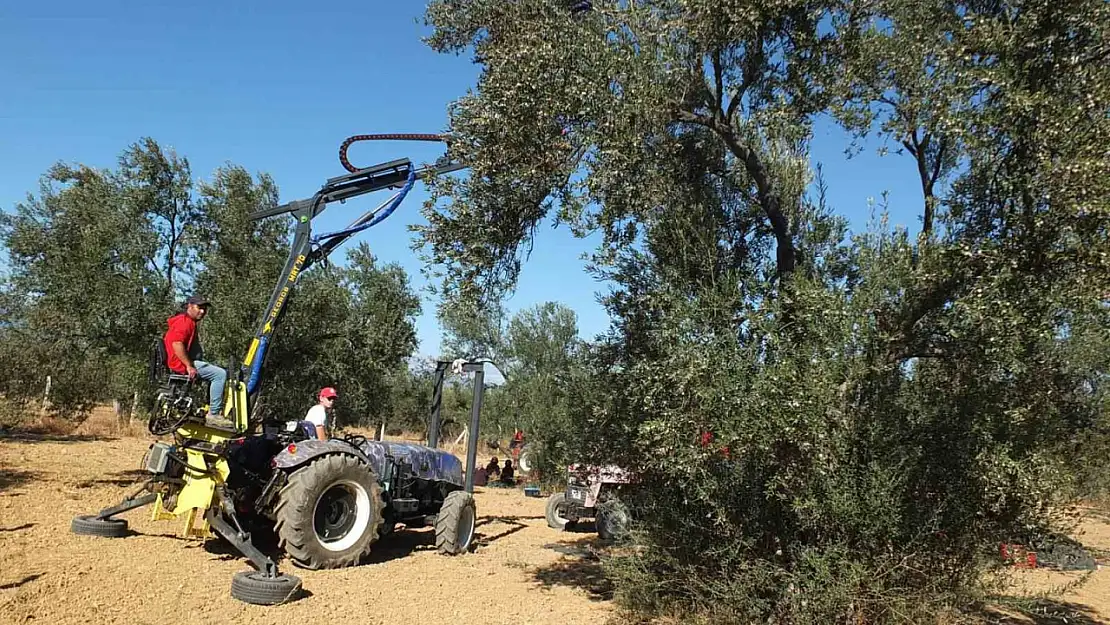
(89,525)
(455,523)
(254,587)
(556,511)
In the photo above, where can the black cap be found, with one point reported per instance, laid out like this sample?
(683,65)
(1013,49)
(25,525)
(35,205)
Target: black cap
(198,300)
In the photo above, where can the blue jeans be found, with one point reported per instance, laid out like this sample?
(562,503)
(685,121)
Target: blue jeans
(216,378)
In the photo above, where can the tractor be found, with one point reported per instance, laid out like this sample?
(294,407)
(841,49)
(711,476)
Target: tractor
(592,492)
(327,501)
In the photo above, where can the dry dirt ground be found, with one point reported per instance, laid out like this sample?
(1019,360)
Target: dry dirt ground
(521,572)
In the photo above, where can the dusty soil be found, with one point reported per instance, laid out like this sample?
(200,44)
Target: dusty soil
(521,572)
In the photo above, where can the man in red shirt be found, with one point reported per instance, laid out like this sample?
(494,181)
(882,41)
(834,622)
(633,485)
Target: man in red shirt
(184,353)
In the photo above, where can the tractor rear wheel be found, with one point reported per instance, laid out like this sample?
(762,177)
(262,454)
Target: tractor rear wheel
(455,523)
(329,512)
(254,587)
(525,461)
(612,520)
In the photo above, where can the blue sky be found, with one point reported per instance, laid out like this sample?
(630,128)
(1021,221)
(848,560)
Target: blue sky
(276,87)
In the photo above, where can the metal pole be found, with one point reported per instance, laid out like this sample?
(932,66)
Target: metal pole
(475,415)
(437,402)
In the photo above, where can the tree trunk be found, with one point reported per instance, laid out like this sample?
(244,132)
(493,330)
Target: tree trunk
(120,421)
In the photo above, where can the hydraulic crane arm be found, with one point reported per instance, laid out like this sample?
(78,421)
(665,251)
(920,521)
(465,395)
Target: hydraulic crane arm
(307,248)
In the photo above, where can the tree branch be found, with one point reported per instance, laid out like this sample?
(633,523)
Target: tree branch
(766,194)
(753,63)
(938,162)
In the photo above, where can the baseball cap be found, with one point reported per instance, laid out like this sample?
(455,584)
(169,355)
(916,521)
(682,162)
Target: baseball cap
(198,300)
(328,393)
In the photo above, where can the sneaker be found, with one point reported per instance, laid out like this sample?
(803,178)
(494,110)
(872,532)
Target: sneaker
(219,421)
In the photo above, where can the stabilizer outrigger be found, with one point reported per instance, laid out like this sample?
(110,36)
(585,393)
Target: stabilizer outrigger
(189,480)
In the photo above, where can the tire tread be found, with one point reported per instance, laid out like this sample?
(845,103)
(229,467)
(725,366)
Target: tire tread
(293,500)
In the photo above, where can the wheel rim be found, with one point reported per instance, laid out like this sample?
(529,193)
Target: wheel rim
(466,527)
(341,515)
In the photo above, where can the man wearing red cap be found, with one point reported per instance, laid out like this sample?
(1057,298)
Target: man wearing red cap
(318,414)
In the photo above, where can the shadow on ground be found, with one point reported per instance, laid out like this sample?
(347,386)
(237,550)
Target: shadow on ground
(10,478)
(401,543)
(1042,612)
(577,573)
(515,523)
(25,580)
(35,437)
(132,477)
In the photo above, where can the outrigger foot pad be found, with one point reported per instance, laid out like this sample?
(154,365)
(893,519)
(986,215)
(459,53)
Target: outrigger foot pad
(92,525)
(255,587)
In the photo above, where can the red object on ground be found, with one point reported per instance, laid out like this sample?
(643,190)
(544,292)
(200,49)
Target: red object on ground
(1021,557)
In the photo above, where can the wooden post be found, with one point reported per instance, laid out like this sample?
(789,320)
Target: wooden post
(45,401)
(134,408)
(46,395)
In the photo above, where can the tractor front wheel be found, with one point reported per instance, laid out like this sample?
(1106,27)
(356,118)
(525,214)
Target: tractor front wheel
(555,512)
(455,523)
(329,512)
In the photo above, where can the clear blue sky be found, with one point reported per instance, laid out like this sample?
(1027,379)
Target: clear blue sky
(276,87)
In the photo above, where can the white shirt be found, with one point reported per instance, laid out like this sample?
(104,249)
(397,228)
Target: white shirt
(317,415)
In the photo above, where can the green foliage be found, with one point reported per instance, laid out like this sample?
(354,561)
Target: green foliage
(828,428)
(351,328)
(79,279)
(537,351)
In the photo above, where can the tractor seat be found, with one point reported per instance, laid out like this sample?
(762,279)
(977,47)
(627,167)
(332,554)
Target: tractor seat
(159,371)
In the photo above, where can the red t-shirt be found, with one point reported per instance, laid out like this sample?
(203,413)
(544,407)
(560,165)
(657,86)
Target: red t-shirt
(182,328)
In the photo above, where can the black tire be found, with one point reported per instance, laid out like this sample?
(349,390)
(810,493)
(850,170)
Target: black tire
(455,523)
(89,525)
(612,520)
(253,587)
(389,518)
(555,520)
(336,493)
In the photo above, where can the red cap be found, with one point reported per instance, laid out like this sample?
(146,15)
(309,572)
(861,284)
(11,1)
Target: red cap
(328,392)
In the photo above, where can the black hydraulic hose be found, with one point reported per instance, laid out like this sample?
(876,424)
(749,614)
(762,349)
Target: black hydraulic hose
(396,136)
